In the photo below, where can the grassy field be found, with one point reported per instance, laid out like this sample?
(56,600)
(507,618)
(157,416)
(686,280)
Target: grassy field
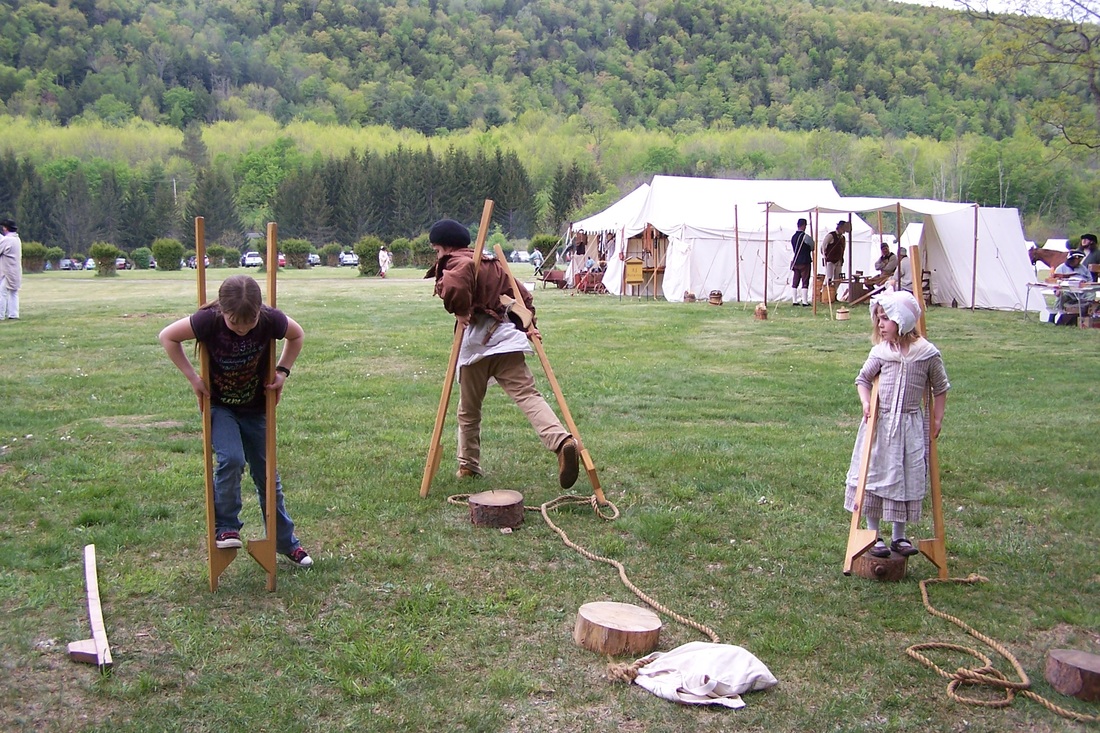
(722,439)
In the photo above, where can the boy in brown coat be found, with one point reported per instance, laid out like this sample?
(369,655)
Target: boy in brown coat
(492,348)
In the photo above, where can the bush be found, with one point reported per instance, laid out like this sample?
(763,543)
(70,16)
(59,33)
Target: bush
(545,243)
(168,253)
(401,249)
(330,254)
(53,256)
(141,257)
(104,254)
(367,249)
(34,256)
(297,252)
(421,253)
(217,255)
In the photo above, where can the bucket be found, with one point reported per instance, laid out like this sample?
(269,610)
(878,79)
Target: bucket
(842,314)
(761,312)
(715,297)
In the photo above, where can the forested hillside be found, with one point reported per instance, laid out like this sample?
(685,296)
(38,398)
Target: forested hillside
(868,67)
(339,119)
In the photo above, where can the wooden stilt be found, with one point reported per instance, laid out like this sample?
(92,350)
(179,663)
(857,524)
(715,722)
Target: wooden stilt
(217,559)
(435,448)
(586,459)
(263,551)
(860,540)
(935,549)
(95,650)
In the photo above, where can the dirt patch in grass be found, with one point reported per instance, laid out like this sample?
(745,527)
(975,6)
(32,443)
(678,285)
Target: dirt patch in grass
(138,421)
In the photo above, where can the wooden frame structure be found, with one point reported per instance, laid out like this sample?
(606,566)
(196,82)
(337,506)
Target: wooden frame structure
(262,551)
(95,650)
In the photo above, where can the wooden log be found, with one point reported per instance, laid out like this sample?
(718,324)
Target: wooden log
(880,568)
(502,508)
(96,650)
(616,629)
(1075,673)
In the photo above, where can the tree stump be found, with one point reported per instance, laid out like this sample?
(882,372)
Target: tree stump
(615,629)
(503,508)
(880,568)
(1074,673)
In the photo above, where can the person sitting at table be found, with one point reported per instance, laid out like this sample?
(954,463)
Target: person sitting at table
(886,264)
(1070,272)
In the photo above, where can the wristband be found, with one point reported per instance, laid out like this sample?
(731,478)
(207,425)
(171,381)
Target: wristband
(283,369)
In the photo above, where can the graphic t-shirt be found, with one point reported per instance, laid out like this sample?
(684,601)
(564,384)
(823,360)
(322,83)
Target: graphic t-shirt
(238,363)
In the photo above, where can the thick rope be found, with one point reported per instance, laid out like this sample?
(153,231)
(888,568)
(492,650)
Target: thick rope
(986,675)
(573,499)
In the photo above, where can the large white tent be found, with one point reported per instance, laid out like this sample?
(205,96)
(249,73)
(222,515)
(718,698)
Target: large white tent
(721,235)
(976,257)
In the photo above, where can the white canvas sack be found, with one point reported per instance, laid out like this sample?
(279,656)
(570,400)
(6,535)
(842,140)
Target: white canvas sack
(702,673)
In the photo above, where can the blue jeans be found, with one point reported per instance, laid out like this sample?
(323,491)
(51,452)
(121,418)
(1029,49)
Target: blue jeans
(240,437)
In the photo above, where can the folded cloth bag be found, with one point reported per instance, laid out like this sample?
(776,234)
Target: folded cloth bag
(702,673)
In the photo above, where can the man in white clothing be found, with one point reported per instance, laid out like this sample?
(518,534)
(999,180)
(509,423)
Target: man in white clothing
(11,270)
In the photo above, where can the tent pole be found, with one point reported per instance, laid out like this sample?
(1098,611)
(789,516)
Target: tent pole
(767,212)
(879,212)
(897,239)
(851,257)
(974,274)
(737,251)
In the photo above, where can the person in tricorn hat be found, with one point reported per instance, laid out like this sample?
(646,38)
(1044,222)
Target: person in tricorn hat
(493,347)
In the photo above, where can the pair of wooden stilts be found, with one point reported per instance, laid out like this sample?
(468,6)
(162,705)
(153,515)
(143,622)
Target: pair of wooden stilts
(435,450)
(861,540)
(262,551)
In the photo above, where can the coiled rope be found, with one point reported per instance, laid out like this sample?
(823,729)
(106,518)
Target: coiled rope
(575,499)
(986,675)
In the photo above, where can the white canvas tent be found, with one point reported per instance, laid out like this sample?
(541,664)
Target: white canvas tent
(977,256)
(722,237)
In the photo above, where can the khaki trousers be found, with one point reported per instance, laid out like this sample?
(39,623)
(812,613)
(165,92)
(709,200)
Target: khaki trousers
(512,374)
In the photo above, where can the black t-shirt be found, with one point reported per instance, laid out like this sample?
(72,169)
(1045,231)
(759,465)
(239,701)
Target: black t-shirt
(238,363)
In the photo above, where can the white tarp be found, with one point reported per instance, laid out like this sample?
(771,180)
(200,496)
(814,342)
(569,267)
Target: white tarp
(720,236)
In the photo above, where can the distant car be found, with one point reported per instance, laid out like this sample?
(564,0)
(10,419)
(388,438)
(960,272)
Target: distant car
(252,259)
(89,264)
(152,264)
(314,259)
(123,264)
(519,255)
(68,264)
(349,259)
(282,260)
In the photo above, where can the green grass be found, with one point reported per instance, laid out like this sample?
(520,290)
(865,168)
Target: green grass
(723,440)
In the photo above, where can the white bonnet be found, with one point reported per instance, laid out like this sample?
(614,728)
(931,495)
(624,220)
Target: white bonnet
(900,306)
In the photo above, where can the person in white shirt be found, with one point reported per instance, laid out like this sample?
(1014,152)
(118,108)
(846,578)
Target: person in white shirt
(11,270)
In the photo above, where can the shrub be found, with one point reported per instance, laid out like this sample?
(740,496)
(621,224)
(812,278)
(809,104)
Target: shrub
(217,255)
(297,252)
(367,249)
(168,253)
(401,250)
(421,253)
(104,254)
(330,254)
(34,256)
(54,255)
(141,257)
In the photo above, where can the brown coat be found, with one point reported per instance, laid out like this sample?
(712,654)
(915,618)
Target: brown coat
(834,247)
(454,283)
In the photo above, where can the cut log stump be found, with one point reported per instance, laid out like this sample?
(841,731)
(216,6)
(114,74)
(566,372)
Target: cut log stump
(617,629)
(880,568)
(1074,673)
(502,508)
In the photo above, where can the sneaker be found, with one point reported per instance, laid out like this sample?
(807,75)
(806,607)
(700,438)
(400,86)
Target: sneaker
(300,558)
(567,463)
(464,472)
(228,539)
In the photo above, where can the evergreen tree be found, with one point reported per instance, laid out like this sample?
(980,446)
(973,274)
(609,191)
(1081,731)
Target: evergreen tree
(74,215)
(212,198)
(316,221)
(34,207)
(10,184)
(109,201)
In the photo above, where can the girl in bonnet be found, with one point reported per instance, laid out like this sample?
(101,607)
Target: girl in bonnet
(906,365)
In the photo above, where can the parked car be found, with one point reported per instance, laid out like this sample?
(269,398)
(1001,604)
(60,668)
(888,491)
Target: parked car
(68,264)
(252,259)
(349,259)
(282,260)
(519,255)
(123,264)
(89,264)
(314,259)
(152,264)
(192,263)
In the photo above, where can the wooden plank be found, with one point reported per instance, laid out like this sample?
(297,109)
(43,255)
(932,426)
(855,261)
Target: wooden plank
(96,650)
(860,540)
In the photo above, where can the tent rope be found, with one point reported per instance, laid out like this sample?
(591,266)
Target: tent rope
(986,675)
(575,499)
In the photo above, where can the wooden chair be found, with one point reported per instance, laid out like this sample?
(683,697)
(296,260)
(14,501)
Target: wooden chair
(926,286)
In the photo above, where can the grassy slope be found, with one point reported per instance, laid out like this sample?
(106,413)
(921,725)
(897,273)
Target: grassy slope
(722,439)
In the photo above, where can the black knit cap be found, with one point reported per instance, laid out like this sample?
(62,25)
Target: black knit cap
(449,233)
